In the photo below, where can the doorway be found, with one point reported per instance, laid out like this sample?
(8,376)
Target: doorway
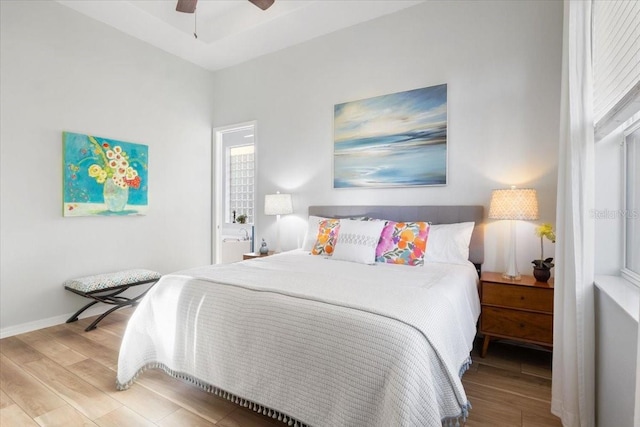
(234,186)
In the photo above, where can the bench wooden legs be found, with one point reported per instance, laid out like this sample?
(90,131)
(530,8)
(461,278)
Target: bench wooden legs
(109,296)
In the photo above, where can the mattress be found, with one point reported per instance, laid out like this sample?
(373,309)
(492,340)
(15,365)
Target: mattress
(314,341)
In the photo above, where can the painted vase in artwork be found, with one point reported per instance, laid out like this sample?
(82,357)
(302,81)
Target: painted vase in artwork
(115,197)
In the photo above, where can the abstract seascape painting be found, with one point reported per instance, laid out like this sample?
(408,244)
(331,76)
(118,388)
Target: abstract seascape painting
(104,176)
(395,140)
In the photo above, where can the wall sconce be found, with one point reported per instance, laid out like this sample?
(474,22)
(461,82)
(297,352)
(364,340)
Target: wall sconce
(513,204)
(278,204)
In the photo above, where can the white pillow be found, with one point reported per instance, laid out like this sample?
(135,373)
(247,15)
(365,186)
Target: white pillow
(357,241)
(449,243)
(312,232)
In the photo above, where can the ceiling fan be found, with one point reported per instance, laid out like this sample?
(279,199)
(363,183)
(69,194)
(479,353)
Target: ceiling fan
(189,6)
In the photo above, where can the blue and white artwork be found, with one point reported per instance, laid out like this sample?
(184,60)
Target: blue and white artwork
(396,140)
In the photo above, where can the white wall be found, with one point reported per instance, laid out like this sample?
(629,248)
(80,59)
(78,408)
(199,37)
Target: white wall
(501,61)
(616,353)
(62,71)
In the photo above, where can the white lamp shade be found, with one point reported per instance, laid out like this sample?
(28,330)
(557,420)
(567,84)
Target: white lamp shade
(514,203)
(277,204)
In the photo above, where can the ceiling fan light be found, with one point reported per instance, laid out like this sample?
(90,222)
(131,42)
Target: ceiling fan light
(186,6)
(262,4)
(189,6)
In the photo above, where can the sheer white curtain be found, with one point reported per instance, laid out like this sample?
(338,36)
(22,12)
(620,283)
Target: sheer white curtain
(573,341)
(636,415)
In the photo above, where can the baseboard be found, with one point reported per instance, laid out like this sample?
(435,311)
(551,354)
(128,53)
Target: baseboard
(51,321)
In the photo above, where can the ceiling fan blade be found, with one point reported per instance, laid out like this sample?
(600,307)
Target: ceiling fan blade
(186,6)
(262,4)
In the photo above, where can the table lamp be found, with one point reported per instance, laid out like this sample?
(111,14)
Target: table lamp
(513,204)
(277,204)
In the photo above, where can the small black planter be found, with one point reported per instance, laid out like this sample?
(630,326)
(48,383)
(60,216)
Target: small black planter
(541,274)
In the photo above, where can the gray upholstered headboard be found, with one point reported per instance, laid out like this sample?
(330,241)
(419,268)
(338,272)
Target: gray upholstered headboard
(433,214)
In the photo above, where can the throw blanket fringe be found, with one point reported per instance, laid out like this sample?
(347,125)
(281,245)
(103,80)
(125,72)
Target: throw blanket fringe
(455,421)
(465,366)
(261,409)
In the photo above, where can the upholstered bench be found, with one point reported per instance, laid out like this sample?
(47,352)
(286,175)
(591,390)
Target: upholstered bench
(106,288)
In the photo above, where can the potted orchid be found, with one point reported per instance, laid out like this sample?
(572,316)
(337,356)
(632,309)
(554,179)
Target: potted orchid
(115,173)
(542,267)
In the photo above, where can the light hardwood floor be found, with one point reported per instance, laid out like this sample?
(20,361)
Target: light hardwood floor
(63,376)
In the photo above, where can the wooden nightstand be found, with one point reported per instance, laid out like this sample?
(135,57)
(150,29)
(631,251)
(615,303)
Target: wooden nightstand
(252,255)
(520,310)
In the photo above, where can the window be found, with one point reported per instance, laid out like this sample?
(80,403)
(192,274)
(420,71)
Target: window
(616,103)
(631,269)
(616,63)
(239,179)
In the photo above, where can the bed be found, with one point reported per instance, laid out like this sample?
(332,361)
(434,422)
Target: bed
(311,340)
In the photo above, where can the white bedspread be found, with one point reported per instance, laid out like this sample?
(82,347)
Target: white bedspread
(326,342)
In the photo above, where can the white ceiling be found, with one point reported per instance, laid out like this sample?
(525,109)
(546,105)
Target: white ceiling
(232,31)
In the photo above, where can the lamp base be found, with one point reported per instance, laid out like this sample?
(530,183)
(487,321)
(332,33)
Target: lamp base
(512,272)
(278,250)
(511,277)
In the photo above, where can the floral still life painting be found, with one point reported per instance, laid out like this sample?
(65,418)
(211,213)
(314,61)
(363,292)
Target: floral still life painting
(395,140)
(103,176)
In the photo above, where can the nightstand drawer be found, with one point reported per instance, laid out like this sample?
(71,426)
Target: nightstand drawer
(528,298)
(537,327)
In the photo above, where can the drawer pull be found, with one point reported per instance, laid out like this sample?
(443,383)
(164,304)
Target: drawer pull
(522,325)
(522,298)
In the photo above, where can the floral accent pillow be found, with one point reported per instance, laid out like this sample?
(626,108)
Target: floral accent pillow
(327,236)
(403,243)
(312,232)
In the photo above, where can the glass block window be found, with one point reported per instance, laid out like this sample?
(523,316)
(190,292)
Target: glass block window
(240,182)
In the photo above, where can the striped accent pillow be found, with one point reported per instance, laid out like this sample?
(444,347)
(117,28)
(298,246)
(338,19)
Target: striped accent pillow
(358,240)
